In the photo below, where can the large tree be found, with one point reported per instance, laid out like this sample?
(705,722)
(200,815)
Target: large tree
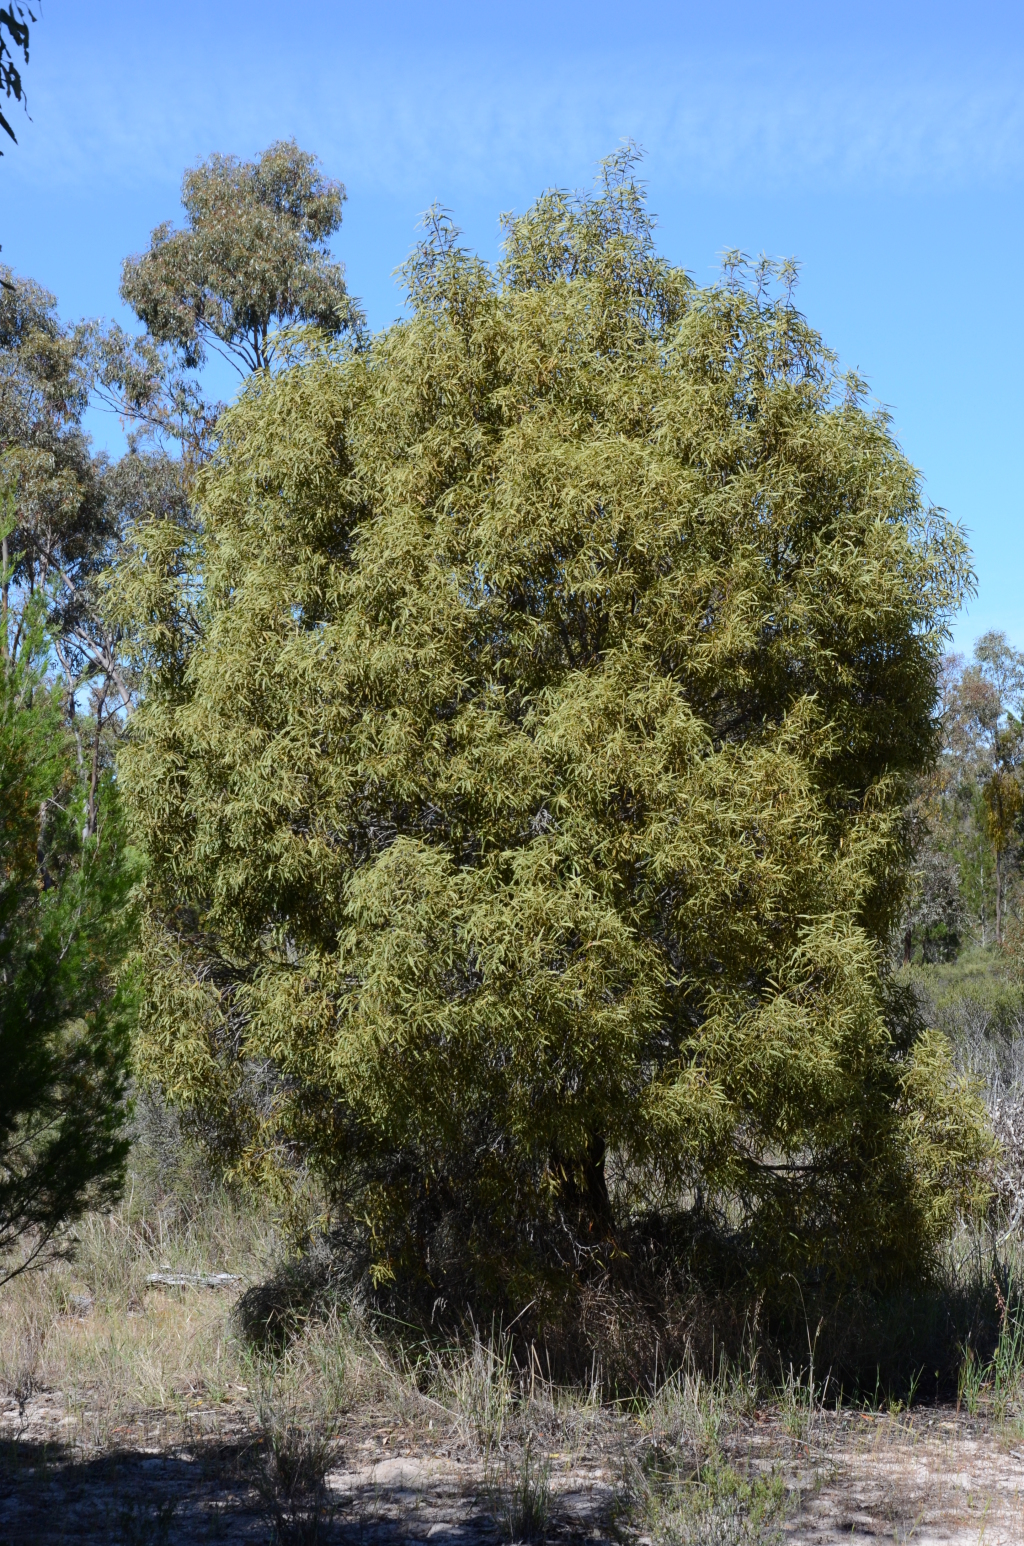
(530,721)
(65,868)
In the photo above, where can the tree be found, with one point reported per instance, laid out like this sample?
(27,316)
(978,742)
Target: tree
(65,523)
(65,869)
(254,252)
(14,39)
(65,1009)
(528,730)
(936,920)
(979,783)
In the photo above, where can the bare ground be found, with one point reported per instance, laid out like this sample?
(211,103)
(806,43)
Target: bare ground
(184,1473)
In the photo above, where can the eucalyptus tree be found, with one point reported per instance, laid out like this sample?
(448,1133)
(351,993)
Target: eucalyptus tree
(977,803)
(59,526)
(253,255)
(15,33)
(54,520)
(528,729)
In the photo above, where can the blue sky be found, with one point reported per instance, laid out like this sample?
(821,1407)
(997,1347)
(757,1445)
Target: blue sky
(880,144)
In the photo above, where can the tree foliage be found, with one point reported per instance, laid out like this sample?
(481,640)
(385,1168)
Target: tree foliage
(65,868)
(972,801)
(253,252)
(65,504)
(14,39)
(65,1010)
(531,718)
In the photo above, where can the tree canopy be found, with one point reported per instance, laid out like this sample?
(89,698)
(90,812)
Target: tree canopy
(531,718)
(253,253)
(65,926)
(972,804)
(63,501)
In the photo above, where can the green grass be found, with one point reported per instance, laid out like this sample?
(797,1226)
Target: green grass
(980,976)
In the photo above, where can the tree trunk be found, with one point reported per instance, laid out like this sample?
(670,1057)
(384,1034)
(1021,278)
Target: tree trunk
(597,1184)
(94,772)
(584,1189)
(5,591)
(999,900)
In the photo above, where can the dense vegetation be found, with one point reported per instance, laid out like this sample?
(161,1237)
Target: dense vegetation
(970,809)
(530,721)
(64,1015)
(533,724)
(65,869)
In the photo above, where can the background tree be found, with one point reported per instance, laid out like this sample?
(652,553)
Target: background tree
(528,730)
(974,798)
(65,518)
(65,926)
(253,254)
(937,922)
(65,869)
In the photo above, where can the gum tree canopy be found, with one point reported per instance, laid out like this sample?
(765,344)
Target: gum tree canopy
(253,252)
(528,732)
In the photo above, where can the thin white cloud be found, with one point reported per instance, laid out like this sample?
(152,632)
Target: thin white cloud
(706,124)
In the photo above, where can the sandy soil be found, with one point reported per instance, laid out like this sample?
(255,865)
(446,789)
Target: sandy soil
(931,1477)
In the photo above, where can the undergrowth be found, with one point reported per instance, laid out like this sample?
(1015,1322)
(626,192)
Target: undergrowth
(715,1507)
(662,1382)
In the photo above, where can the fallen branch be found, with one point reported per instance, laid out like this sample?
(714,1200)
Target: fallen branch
(192,1279)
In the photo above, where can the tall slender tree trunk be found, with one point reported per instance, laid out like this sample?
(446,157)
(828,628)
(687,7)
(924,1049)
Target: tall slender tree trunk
(999,900)
(94,771)
(5,591)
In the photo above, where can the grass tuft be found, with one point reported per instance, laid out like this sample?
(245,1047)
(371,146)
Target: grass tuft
(520,1490)
(716,1508)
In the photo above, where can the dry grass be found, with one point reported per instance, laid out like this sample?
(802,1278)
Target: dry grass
(114,1348)
(289,1464)
(519,1486)
(717,1507)
(125,1366)
(702,1460)
(112,1366)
